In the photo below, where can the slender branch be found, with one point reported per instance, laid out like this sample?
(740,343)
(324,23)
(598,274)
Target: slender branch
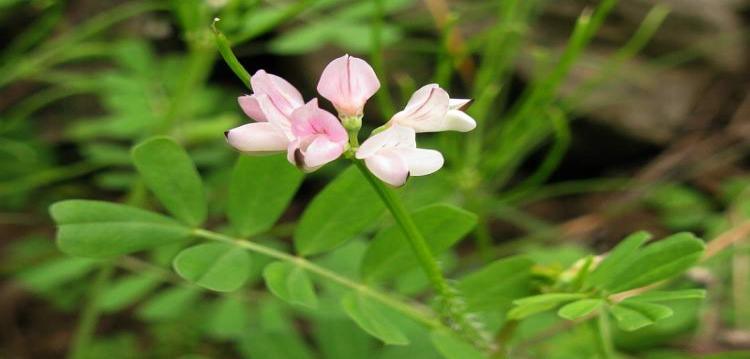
(603,335)
(90,316)
(410,230)
(376,56)
(451,306)
(409,310)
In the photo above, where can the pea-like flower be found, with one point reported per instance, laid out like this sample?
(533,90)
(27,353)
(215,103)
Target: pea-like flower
(392,156)
(319,137)
(348,82)
(271,105)
(430,109)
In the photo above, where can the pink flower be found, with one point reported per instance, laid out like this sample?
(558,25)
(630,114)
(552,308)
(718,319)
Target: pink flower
(392,156)
(348,82)
(271,105)
(319,137)
(431,110)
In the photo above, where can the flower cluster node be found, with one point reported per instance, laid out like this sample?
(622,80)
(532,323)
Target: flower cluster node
(313,137)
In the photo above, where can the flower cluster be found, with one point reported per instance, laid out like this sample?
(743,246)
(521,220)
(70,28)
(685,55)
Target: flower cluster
(313,137)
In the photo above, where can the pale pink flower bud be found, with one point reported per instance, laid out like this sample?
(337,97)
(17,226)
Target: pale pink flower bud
(393,156)
(348,82)
(319,137)
(430,109)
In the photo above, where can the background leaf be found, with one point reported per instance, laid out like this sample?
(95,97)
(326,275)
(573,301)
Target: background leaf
(217,266)
(126,291)
(389,254)
(169,172)
(453,348)
(497,284)
(290,283)
(619,256)
(661,260)
(259,192)
(373,319)
(102,229)
(342,210)
(579,308)
(632,315)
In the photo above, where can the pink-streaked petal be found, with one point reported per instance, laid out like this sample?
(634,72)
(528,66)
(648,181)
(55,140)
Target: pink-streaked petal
(348,82)
(251,107)
(321,151)
(311,120)
(273,115)
(258,138)
(394,137)
(389,167)
(420,161)
(456,120)
(282,94)
(458,103)
(426,109)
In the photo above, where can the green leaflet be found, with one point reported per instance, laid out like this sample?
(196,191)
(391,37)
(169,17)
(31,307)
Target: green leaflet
(658,261)
(341,211)
(127,291)
(102,229)
(539,303)
(451,347)
(290,283)
(217,266)
(579,308)
(170,174)
(633,315)
(373,319)
(497,284)
(168,304)
(389,254)
(259,192)
(617,259)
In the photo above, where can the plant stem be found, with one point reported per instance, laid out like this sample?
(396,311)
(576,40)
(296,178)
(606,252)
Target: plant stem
(378,64)
(386,299)
(451,307)
(410,230)
(90,316)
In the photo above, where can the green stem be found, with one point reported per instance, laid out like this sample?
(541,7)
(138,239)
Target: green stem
(386,299)
(90,316)
(378,64)
(225,49)
(410,230)
(451,306)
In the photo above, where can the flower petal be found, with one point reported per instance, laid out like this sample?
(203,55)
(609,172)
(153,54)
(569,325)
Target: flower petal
(425,110)
(273,115)
(282,94)
(321,151)
(394,136)
(459,121)
(258,138)
(251,107)
(310,120)
(420,161)
(348,82)
(389,167)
